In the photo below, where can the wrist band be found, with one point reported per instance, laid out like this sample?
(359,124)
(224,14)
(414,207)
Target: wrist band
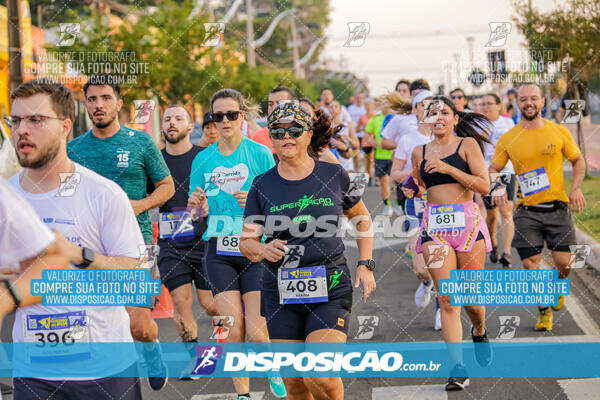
(13,292)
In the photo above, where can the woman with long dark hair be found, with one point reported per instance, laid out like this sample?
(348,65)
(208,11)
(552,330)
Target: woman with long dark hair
(452,168)
(306,286)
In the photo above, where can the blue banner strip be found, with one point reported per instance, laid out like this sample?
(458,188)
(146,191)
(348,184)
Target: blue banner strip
(398,359)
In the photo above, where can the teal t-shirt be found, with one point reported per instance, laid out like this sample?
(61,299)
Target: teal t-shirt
(221,176)
(129,158)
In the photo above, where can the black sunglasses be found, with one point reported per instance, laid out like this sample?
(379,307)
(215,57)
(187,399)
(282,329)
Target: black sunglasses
(460,96)
(279,133)
(231,116)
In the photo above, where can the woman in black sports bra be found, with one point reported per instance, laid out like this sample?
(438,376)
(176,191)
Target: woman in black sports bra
(454,235)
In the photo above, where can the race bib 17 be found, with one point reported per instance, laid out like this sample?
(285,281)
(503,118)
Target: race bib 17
(175,225)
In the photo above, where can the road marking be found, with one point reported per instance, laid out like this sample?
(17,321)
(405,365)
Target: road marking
(421,392)
(581,316)
(226,396)
(580,389)
(578,312)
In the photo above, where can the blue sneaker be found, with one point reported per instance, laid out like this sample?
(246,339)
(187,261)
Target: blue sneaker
(277,387)
(157,369)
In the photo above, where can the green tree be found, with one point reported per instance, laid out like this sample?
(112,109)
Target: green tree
(569,35)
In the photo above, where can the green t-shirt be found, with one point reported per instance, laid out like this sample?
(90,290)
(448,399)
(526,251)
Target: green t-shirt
(374,127)
(129,158)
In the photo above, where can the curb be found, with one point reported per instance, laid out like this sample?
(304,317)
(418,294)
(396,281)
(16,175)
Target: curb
(593,259)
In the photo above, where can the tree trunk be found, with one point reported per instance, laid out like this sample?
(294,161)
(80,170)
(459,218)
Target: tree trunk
(580,137)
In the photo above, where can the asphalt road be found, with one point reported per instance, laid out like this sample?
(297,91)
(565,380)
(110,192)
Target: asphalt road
(401,321)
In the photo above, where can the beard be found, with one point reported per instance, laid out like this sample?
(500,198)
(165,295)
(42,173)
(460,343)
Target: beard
(532,117)
(174,139)
(43,158)
(103,124)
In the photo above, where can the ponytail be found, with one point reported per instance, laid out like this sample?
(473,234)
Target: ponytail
(394,101)
(323,130)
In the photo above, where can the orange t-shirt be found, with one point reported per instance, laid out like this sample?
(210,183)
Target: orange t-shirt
(262,136)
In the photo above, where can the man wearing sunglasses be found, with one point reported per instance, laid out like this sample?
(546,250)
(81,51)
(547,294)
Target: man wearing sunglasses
(127,157)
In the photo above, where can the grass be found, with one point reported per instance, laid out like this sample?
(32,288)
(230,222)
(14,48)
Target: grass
(589,220)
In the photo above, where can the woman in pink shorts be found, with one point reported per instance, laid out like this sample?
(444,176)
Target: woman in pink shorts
(451,168)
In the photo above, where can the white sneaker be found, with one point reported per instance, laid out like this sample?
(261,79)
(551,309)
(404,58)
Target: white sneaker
(423,295)
(398,210)
(438,320)
(387,211)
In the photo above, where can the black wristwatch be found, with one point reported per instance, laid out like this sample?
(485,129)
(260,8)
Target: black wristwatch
(88,257)
(370,264)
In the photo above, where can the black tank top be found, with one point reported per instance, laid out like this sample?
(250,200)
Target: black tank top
(436,178)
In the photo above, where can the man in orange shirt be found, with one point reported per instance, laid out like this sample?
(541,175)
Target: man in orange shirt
(277,95)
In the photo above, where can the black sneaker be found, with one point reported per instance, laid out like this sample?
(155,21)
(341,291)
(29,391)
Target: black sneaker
(505,260)
(458,379)
(494,254)
(6,389)
(483,350)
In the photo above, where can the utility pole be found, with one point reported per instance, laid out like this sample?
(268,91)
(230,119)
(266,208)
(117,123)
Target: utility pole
(298,70)
(15,63)
(250,33)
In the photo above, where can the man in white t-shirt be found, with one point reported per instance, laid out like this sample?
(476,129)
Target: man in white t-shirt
(96,226)
(506,180)
(23,255)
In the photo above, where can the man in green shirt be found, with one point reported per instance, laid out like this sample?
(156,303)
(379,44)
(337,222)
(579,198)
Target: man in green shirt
(129,158)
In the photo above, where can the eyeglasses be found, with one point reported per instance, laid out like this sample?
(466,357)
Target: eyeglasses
(279,133)
(460,96)
(231,116)
(35,121)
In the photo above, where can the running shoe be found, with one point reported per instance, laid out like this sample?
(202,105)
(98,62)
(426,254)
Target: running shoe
(438,320)
(158,374)
(544,322)
(458,378)
(387,210)
(277,387)
(561,303)
(398,210)
(483,349)
(505,260)
(187,373)
(243,398)
(423,294)
(494,254)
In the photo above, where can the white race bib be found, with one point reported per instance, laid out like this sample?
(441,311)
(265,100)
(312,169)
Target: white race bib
(48,330)
(302,285)
(446,217)
(229,246)
(175,225)
(534,181)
